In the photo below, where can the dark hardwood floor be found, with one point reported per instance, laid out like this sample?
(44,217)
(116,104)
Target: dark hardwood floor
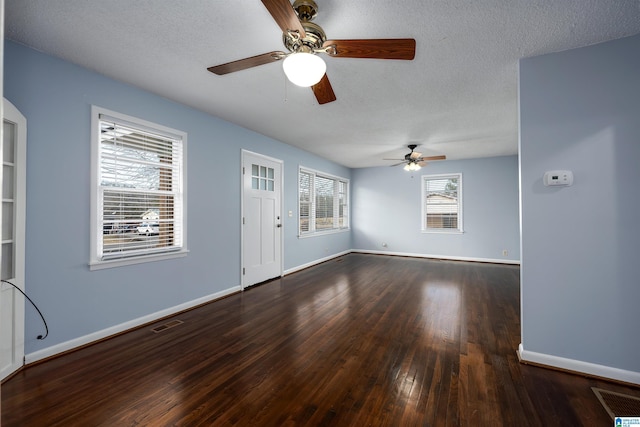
(362,340)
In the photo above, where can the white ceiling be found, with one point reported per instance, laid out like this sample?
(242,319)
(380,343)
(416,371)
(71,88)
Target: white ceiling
(458,97)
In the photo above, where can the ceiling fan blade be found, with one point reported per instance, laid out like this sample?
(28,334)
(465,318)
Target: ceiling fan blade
(323,91)
(243,64)
(422,163)
(284,15)
(373,48)
(398,164)
(415,155)
(434,158)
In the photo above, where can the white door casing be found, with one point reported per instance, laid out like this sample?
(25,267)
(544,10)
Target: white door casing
(12,303)
(261,218)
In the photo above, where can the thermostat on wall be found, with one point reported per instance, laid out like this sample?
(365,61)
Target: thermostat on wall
(552,178)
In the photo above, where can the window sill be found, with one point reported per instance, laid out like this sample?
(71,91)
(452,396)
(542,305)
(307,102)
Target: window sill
(112,263)
(435,231)
(323,233)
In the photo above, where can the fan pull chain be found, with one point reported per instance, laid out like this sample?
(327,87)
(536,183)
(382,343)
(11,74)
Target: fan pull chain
(284,79)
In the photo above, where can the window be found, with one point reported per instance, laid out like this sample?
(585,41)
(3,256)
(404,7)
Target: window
(442,203)
(138,211)
(262,178)
(323,202)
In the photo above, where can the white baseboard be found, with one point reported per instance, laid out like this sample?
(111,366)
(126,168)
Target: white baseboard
(318,261)
(407,254)
(447,257)
(578,366)
(113,330)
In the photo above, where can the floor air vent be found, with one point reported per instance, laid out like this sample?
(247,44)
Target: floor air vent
(618,404)
(167,325)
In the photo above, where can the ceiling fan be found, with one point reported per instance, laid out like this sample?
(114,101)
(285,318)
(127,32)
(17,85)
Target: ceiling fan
(305,39)
(413,160)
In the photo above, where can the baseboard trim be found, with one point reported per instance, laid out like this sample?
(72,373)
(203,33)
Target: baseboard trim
(578,367)
(445,257)
(405,254)
(92,338)
(316,262)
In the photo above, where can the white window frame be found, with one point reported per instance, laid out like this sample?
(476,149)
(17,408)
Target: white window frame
(179,246)
(423,197)
(337,228)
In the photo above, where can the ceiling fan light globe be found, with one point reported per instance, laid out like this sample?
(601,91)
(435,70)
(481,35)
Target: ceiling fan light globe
(304,69)
(412,167)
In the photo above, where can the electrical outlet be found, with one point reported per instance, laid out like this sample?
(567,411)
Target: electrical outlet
(384,245)
(505,252)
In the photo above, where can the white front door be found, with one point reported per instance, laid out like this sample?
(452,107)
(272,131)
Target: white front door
(14,141)
(261,218)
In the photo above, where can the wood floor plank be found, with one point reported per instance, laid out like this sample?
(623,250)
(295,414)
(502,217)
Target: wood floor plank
(360,340)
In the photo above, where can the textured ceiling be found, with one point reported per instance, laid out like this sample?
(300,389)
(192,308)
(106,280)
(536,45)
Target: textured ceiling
(458,97)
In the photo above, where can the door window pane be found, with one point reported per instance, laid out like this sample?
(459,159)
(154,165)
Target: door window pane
(7,261)
(262,178)
(7,220)
(8,142)
(7,181)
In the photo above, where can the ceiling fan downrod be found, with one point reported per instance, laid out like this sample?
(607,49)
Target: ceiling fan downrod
(306,9)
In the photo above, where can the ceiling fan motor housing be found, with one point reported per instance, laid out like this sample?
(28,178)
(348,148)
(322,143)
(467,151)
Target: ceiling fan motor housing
(314,39)
(315,35)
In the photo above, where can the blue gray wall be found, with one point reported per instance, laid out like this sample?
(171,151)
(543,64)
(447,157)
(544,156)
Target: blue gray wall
(56,98)
(580,110)
(387,209)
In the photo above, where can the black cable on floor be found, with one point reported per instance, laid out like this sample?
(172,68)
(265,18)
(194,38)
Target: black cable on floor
(40,337)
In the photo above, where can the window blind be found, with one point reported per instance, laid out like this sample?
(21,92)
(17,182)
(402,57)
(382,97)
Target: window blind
(343,205)
(323,202)
(441,203)
(304,191)
(140,190)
